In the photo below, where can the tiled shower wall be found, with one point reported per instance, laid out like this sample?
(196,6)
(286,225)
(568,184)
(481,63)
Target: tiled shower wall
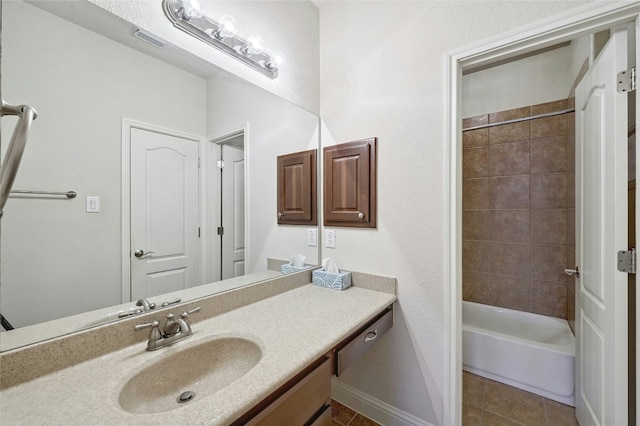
(516,217)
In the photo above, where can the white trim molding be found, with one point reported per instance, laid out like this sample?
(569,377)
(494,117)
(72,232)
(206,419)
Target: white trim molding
(561,28)
(371,407)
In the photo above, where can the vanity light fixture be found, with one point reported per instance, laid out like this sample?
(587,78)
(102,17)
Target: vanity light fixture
(189,16)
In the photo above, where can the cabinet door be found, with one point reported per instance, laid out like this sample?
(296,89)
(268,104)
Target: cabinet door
(299,404)
(350,184)
(297,188)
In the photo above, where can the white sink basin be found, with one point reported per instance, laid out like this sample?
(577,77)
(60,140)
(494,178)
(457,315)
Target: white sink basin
(190,373)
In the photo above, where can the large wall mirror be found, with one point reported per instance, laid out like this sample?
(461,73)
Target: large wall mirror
(139,134)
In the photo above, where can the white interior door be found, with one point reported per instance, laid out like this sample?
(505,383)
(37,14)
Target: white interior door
(601,225)
(233,236)
(164,213)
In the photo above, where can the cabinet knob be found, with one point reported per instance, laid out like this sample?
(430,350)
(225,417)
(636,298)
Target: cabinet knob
(361,215)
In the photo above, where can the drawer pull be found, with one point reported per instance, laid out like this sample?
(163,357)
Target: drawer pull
(371,336)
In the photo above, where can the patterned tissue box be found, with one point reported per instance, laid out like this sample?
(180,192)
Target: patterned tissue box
(338,281)
(290,269)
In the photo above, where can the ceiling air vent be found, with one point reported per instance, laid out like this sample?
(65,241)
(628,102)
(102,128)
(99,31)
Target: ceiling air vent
(149,38)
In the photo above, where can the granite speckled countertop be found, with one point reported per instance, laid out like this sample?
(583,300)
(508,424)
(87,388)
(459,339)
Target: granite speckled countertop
(293,328)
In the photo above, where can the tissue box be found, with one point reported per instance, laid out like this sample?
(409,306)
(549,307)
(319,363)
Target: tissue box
(338,281)
(290,269)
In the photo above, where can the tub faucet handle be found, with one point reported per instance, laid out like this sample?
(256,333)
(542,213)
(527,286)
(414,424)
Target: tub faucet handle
(571,272)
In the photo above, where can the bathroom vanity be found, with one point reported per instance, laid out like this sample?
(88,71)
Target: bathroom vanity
(264,354)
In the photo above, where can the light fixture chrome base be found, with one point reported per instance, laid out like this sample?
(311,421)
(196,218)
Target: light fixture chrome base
(205,28)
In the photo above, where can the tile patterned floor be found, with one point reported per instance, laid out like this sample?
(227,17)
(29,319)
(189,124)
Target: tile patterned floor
(489,403)
(345,416)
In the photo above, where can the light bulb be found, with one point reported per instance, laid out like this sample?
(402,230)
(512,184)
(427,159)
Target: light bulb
(226,28)
(277,60)
(192,9)
(254,46)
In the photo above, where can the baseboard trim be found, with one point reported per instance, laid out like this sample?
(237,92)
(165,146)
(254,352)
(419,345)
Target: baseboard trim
(373,408)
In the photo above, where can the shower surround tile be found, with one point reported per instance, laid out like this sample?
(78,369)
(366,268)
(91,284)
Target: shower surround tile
(475,162)
(509,132)
(550,126)
(548,263)
(549,190)
(549,298)
(511,259)
(477,256)
(510,226)
(475,225)
(549,226)
(478,137)
(517,203)
(510,158)
(549,155)
(510,292)
(475,194)
(510,192)
(476,287)
(548,107)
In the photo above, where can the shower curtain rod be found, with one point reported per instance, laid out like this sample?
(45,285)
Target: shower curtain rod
(518,120)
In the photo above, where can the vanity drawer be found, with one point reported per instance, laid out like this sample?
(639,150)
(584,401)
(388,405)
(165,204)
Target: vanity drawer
(353,347)
(298,405)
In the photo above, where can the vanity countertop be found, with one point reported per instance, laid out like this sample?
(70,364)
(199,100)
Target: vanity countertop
(293,328)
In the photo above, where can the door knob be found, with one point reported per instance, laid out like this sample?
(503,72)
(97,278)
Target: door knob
(140,253)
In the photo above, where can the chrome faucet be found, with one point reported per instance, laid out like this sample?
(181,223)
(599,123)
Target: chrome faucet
(173,331)
(146,306)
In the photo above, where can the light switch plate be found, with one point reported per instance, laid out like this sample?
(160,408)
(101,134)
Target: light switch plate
(330,238)
(93,204)
(312,237)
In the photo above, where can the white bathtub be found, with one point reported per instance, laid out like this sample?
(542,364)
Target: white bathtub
(528,351)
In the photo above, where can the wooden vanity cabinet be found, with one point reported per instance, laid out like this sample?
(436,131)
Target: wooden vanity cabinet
(305,400)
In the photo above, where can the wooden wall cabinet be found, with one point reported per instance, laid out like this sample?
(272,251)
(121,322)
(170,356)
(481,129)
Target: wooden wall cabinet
(350,184)
(297,188)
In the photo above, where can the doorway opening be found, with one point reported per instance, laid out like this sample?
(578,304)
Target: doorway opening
(590,20)
(231,217)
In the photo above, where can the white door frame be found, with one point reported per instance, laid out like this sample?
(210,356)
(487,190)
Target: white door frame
(209,225)
(557,29)
(125,221)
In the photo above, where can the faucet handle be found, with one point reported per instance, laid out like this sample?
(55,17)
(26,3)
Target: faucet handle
(129,313)
(154,336)
(184,315)
(173,302)
(152,324)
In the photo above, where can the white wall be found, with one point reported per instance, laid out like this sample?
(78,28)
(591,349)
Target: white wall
(529,81)
(81,96)
(275,127)
(382,73)
(290,27)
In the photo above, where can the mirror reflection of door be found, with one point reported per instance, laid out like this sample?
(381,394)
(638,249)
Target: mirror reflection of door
(164,213)
(231,228)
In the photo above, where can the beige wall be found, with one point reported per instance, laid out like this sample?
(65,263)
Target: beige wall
(383,74)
